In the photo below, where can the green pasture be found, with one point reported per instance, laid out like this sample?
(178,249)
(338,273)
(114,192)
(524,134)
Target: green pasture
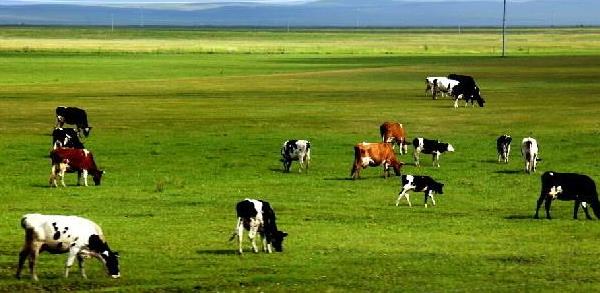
(185,133)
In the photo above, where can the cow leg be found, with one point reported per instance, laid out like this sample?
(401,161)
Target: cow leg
(73,252)
(355,173)
(547,206)
(33,255)
(416,157)
(85,176)
(404,193)
(240,234)
(25,252)
(455,102)
(80,262)
(404,147)
(585,210)
(301,163)
(78,178)
(539,204)
(426,197)
(52,180)
(431,195)
(252,235)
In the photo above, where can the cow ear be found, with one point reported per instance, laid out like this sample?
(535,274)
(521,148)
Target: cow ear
(116,254)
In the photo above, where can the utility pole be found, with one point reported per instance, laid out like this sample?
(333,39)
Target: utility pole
(504,30)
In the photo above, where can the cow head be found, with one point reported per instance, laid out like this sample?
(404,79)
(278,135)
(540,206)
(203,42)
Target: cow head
(437,187)
(277,240)
(86,131)
(97,176)
(108,257)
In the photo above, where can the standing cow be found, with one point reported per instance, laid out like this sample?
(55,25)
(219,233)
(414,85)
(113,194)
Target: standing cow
(394,133)
(66,138)
(74,116)
(56,234)
(431,85)
(295,150)
(530,152)
(568,186)
(503,147)
(428,146)
(375,154)
(257,216)
(419,183)
(73,160)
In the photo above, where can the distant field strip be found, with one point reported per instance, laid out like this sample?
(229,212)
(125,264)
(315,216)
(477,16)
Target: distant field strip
(408,42)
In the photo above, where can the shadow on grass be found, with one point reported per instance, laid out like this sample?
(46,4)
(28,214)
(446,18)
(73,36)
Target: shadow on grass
(519,217)
(217,251)
(339,179)
(509,171)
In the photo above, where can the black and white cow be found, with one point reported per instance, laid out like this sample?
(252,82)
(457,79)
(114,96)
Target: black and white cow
(421,184)
(466,89)
(428,146)
(74,116)
(66,138)
(568,186)
(257,216)
(80,237)
(530,152)
(295,150)
(503,147)
(431,85)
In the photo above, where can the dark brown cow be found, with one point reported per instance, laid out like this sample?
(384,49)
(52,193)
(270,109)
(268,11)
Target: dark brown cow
(375,154)
(393,132)
(71,160)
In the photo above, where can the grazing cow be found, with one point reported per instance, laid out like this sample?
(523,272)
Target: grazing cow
(75,116)
(73,160)
(428,146)
(375,154)
(295,150)
(257,216)
(431,85)
(66,138)
(503,147)
(466,89)
(529,150)
(568,186)
(419,183)
(393,132)
(56,234)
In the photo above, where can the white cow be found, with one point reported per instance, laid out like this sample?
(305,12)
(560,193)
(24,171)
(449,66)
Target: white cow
(56,234)
(530,152)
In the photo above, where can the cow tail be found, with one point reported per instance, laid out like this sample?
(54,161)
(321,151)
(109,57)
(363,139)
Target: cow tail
(235,231)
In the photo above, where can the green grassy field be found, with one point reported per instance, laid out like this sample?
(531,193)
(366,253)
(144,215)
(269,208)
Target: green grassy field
(183,135)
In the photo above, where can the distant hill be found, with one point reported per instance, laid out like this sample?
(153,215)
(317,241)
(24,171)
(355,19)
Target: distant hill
(345,13)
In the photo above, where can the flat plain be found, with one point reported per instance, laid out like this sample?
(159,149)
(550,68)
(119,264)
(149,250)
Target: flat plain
(186,122)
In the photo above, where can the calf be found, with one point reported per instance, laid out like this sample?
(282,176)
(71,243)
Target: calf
(419,183)
(56,234)
(503,147)
(66,137)
(529,150)
(466,89)
(431,85)
(428,146)
(295,150)
(568,186)
(375,154)
(74,116)
(257,216)
(73,160)
(393,132)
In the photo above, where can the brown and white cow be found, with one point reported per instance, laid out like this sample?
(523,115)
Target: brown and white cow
(393,132)
(73,160)
(375,154)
